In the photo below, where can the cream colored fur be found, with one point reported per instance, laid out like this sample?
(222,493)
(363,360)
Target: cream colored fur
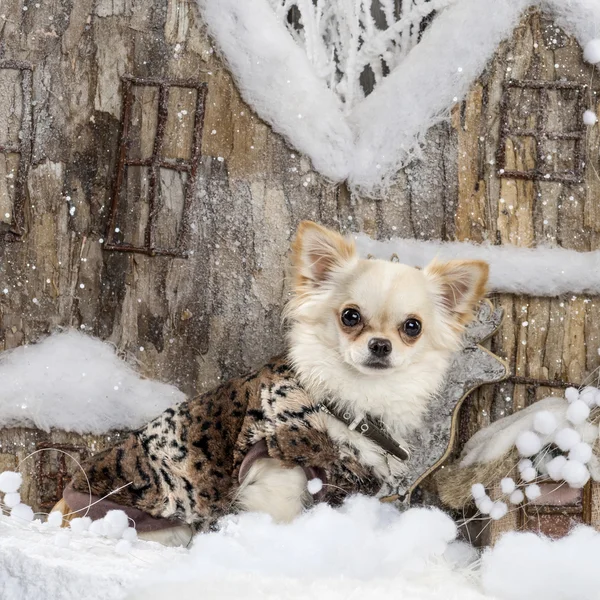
(271,488)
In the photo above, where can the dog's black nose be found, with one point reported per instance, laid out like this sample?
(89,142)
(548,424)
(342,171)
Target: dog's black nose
(380,347)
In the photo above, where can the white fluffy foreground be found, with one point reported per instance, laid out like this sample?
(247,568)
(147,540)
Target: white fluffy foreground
(363,550)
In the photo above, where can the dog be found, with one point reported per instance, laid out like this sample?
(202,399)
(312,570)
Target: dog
(368,344)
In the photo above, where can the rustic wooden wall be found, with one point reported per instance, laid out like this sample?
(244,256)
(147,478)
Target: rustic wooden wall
(217,313)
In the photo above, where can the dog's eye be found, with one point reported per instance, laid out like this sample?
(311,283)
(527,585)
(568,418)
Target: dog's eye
(350,317)
(412,327)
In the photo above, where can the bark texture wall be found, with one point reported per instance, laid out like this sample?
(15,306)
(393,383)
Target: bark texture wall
(192,321)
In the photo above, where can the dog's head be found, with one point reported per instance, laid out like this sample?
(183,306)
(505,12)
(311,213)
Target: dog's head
(375,317)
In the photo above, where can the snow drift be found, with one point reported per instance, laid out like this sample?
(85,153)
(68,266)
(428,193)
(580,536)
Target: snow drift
(74,382)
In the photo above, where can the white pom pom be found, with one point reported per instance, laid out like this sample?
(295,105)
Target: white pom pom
(61,539)
(22,513)
(588,396)
(524,463)
(517,497)
(591,52)
(575,474)
(578,412)
(478,491)
(97,527)
(314,486)
(12,499)
(115,523)
(130,534)
(55,519)
(566,438)
(529,474)
(507,485)
(533,491)
(528,443)
(589,117)
(80,525)
(571,394)
(10,482)
(597,397)
(544,422)
(123,547)
(581,452)
(555,467)
(498,511)
(485,505)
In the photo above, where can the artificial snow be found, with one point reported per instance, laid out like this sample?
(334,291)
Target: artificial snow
(575,473)
(314,486)
(522,566)
(544,422)
(62,539)
(291,79)
(75,382)
(581,452)
(478,491)
(537,271)
(528,443)
(589,117)
(507,485)
(578,412)
(555,467)
(566,438)
(12,499)
(10,482)
(123,547)
(533,491)
(55,519)
(22,513)
(591,52)
(517,497)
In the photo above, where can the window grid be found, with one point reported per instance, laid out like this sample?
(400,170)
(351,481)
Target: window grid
(541,135)
(23,148)
(156,162)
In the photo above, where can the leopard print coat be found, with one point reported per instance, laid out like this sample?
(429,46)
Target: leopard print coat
(185,464)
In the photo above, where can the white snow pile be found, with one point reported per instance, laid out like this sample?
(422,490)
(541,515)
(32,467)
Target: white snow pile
(364,550)
(74,382)
(303,81)
(522,566)
(537,271)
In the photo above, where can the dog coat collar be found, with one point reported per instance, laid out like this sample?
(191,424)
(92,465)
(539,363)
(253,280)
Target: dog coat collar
(368,427)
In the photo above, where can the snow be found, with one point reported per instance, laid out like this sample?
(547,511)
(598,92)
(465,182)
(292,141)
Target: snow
(528,443)
(544,422)
(537,271)
(555,467)
(290,78)
(10,481)
(578,412)
(567,438)
(522,566)
(365,549)
(533,491)
(314,486)
(581,452)
(75,382)
(507,485)
(591,52)
(589,117)
(478,491)
(517,497)
(575,473)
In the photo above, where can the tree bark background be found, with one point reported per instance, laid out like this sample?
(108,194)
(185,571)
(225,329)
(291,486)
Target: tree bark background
(195,321)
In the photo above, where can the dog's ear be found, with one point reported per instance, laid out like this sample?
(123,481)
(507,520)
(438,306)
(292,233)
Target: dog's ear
(317,253)
(459,285)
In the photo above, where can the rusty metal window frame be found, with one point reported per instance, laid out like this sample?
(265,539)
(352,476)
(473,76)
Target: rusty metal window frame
(156,162)
(540,135)
(23,147)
